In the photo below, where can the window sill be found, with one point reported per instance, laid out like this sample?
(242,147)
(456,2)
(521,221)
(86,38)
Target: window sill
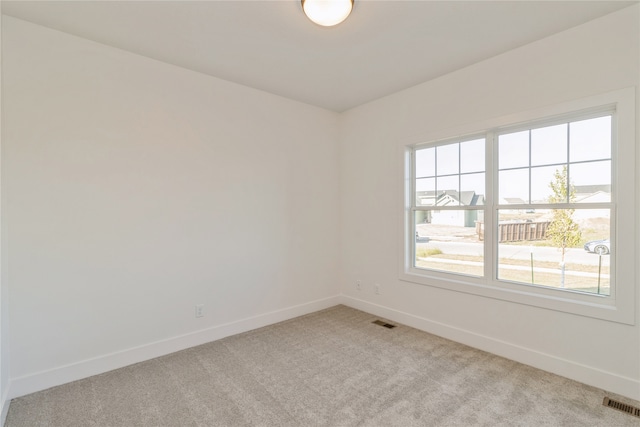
(595,306)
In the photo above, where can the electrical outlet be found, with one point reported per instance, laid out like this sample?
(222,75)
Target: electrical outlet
(199,310)
(376,288)
(358,285)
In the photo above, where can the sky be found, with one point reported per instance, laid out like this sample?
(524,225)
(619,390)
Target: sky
(527,160)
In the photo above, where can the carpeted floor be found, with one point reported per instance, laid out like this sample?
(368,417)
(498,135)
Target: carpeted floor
(330,368)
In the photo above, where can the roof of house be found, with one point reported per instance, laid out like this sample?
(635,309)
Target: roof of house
(514,201)
(465,198)
(590,189)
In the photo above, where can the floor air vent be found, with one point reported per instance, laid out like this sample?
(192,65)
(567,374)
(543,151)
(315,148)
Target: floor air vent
(632,410)
(385,324)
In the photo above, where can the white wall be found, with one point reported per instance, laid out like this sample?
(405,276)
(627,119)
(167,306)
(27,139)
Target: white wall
(134,190)
(4,312)
(591,59)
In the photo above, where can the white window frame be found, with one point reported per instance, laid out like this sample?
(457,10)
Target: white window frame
(619,306)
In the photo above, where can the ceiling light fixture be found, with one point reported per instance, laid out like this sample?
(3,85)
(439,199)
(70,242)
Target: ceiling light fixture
(327,12)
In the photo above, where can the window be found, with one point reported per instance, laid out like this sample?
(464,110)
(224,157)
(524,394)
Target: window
(449,197)
(540,212)
(554,196)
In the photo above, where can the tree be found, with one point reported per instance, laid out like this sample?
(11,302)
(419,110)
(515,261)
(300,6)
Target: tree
(563,230)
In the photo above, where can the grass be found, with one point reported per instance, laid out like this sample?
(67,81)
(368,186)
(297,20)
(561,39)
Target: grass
(473,270)
(526,263)
(550,279)
(427,252)
(585,284)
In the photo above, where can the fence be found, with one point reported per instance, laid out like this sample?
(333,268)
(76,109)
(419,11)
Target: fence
(516,231)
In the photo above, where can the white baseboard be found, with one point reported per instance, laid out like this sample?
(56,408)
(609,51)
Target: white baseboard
(588,375)
(4,405)
(64,374)
(608,381)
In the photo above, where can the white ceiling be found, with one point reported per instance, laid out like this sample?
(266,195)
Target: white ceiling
(383,47)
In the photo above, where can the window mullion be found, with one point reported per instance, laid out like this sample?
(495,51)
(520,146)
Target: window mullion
(568,163)
(412,211)
(490,212)
(530,150)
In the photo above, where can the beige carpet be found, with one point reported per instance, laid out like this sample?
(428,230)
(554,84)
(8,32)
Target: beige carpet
(330,368)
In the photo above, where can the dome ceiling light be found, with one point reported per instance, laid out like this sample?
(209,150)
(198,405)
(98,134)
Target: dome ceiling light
(327,12)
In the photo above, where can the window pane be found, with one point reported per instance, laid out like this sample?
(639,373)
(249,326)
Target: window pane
(541,180)
(549,145)
(513,150)
(448,241)
(592,181)
(472,189)
(590,139)
(448,191)
(425,162)
(425,192)
(530,249)
(447,159)
(513,186)
(472,156)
